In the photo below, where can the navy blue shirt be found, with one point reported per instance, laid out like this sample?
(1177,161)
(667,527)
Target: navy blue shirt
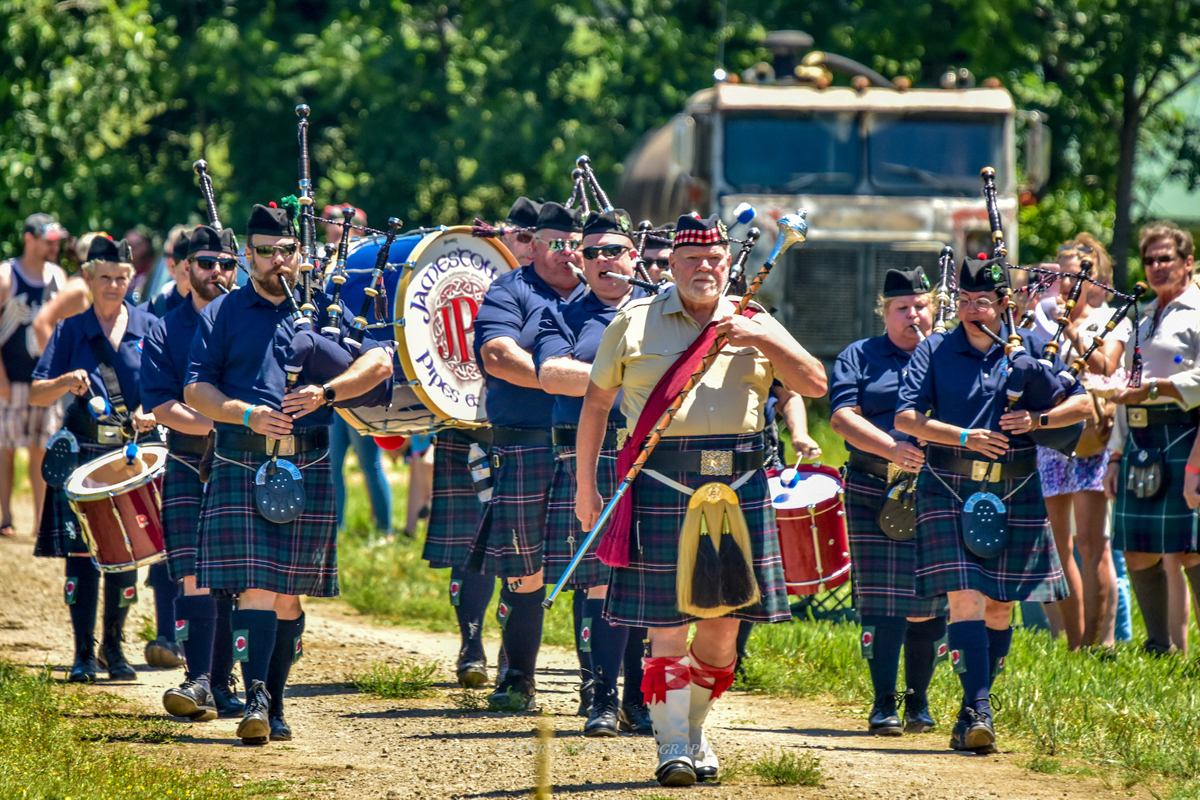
(868,374)
(241,345)
(513,307)
(574,329)
(69,349)
(960,386)
(165,356)
(167,301)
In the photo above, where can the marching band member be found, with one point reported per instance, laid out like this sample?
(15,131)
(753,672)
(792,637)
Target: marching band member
(522,459)
(865,386)
(98,352)
(717,433)
(657,255)
(523,214)
(201,620)
(563,354)
(982,534)
(236,378)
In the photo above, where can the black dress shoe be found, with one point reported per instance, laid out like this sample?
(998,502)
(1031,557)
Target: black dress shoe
(917,718)
(280,732)
(974,731)
(226,700)
(675,773)
(636,720)
(587,691)
(191,700)
(118,667)
(84,668)
(602,719)
(883,720)
(163,653)
(254,727)
(515,694)
(471,671)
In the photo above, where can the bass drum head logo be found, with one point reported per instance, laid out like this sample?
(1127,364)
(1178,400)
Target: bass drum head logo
(455,303)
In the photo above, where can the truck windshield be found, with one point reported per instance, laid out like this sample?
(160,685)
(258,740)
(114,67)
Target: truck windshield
(923,155)
(811,153)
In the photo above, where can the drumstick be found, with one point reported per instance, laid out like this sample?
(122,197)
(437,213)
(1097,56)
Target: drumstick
(793,228)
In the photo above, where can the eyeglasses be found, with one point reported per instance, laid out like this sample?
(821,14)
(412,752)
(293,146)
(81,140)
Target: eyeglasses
(661,263)
(1160,261)
(558,245)
(224,264)
(524,237)
(271,250)
(609,251)
(1075,248)
(981,303)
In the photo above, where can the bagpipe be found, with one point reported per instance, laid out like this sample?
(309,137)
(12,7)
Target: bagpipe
(200,167)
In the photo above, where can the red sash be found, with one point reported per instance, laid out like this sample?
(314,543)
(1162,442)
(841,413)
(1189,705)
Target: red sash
(614,544)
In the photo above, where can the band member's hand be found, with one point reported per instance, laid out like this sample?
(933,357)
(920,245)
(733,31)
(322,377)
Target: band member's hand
(907,456)
(740,331)
(1018,422)
(1191,490)
(143,422)
(1113,474)
(588,505)
(77,382)
(990,443)
(270,422)
(806,449)
(1131,396)
(304,400)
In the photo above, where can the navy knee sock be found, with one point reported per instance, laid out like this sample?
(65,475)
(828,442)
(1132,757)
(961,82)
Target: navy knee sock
(998,644)
(288,633)
(165,592)
(608,645)
(82,594)
(222,653)
(474,593)
(969,655)
(743,637)
(635,651)
(579,614)
(881,640)
(253,643)
(198,614)
(120,593)
(523,629)
(920,653)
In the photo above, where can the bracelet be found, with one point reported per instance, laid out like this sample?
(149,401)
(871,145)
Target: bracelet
(1190,470)
(962,437)
(246,416)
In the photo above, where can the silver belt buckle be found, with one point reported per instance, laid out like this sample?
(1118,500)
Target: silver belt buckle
(287,445)
(985,470)
(108,434)
(1138,417)
(716,462)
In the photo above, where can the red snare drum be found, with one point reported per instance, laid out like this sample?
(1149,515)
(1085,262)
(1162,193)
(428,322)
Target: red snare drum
(812,529)
(119,508)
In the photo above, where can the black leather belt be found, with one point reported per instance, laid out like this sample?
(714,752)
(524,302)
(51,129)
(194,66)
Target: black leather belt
(992,471)
(1163,414)
(869,464)
(706,462)
(186,444)
(564,436)
(304,441)
(521,437)
(80,422)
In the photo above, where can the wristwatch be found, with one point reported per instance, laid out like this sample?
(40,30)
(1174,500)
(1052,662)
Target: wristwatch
(1153,395)
(330,394)
(1044,421)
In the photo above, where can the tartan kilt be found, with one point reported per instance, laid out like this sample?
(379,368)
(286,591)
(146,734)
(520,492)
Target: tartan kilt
(643,594)
(1163,523)
(511,530)
(1027,569)
(455,510)
(882,569)
(59,533)
(561,521)
(182,495)
(240,549)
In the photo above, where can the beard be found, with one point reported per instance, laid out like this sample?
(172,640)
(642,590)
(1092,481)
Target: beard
(206,288)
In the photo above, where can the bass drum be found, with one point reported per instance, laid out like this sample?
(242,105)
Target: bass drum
(433,296)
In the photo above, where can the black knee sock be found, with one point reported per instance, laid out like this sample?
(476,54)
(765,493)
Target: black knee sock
(635,651)
(744,629)
(474,593)
(523,629)
(999,643)
(608,645)
(222,649)
(120,593)
(969,655)
(1150,588)
(165,592)
(881,640)
(198,615)
(253,643)
(583,647)
(920,653)
(288,633)
(82,593)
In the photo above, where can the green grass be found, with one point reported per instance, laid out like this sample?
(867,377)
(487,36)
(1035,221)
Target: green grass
(408,679)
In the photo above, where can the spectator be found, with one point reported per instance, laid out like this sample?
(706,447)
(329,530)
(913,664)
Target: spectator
(333,233)
(143,262)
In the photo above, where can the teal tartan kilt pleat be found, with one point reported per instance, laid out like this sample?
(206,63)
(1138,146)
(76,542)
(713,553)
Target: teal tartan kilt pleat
(564,534)
(882,569)
(455,510)
(182,496)
(1027,569)
(59,533)
(1163,523)
(643,594)
(513,524)
(240,549)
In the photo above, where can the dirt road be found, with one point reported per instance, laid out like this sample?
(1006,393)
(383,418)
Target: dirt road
(350,745)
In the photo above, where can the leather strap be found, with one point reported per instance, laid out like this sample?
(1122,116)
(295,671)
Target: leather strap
(521,437)
(79,422)
(868,464)
(186,444)
(564,436)
(945,461)
(101,351)
(706,462)
(307,439)
(1162,414)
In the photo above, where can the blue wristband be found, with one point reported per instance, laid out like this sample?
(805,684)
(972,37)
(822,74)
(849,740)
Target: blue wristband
(246,416)
(962,437)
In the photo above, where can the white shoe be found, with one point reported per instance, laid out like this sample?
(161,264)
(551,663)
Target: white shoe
(670,720)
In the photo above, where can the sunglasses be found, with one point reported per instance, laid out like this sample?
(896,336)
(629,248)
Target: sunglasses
(982,303)
(1076,248)
(223,264)
(661,263)
(558,245)
(524,237)
(272,250)
(1160,261)
(609,251)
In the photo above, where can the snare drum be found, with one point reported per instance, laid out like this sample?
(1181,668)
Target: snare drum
(119,508)
(811,518)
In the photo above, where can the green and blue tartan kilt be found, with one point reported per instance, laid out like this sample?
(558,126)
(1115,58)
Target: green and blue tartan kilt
(455,510)
(643,594)
(881,569)
(59,533)
(1163,523)
(182,496)
(1027,569)
(240,549)
(562,524)
(513,524)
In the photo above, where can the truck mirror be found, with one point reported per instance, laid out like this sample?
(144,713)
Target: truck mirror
(1037,150)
